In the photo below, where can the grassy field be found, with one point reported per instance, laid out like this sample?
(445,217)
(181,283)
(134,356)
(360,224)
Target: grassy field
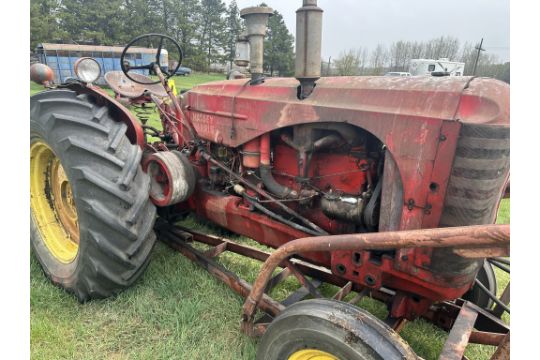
(177,310)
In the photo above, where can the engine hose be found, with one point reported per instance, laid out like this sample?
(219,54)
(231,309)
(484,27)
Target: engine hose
(273,186)
(255,188)
(277,217)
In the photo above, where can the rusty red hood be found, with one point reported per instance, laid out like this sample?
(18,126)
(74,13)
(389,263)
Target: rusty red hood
(233,112)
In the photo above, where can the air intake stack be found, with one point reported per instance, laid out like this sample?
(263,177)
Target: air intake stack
(256,24)
(308,46)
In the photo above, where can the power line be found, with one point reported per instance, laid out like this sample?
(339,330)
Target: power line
(479,48)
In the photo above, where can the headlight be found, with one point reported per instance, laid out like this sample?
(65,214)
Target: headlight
(87,69)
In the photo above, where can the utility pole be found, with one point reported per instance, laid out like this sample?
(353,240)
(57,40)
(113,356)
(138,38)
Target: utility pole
(329,62)
(479,48)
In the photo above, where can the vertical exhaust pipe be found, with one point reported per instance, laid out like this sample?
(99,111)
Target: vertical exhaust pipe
(308,46)
(256,23)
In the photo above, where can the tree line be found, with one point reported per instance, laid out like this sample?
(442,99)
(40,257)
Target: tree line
(205,29)
(397,57)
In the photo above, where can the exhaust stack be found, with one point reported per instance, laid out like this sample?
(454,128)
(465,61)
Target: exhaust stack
(256,23)
(308,46)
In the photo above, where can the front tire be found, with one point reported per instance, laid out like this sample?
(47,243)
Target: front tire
(486,275)
(91,222)
(330,330)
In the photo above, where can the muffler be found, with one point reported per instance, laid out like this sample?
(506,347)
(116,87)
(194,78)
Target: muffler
(308,46)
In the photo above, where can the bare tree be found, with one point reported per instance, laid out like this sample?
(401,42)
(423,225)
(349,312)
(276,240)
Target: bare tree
(349,63)
(378,60)
(398,56)
(417,50)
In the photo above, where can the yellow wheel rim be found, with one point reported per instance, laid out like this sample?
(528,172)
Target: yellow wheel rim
(52,203)
(312,354)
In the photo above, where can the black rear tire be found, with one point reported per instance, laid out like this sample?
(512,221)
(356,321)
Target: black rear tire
(110,192)
(337,328)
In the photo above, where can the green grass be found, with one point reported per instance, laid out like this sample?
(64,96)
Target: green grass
(178,311)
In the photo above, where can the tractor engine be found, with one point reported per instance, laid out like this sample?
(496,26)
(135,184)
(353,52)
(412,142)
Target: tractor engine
(328,173)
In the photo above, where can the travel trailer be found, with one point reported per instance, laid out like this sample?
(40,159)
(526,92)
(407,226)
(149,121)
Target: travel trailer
(441,67)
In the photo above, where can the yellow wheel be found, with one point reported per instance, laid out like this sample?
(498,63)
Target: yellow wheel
(52,203)
(323,329)
(91,220)
(311,354)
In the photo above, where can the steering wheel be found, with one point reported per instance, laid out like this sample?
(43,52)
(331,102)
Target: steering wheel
(126,67)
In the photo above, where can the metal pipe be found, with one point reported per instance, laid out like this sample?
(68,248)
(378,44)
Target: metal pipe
(486,338)
(282,192)
(256,19)
(277,217)
(265,149)
(265,171)
(251,154)
(458,237)
(177,107)
(503,350)
(240,286)
(308,46)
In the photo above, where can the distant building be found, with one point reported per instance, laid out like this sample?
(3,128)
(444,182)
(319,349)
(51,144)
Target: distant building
(443,66)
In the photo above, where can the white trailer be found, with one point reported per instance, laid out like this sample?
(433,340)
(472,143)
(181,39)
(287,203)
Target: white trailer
(419,67)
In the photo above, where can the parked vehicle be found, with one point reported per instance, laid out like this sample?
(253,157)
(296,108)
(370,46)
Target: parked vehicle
(397,73)
(441,67)
(183,71)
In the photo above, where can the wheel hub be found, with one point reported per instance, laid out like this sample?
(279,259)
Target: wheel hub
(312,354)
(52,203)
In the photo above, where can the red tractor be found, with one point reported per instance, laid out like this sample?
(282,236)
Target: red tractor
(383,186)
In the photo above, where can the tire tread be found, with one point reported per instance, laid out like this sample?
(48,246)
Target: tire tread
(116,216)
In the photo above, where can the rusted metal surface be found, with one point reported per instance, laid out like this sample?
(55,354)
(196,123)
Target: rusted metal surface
(277,279)
(445,315)
(481,253)
(303,280)
(120,84)
(486,338)
(307,269)
(457,341)
(503,351)
(240,286)
(396,323)
(458,237)
(344,291)
(431,111)
(216,250)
